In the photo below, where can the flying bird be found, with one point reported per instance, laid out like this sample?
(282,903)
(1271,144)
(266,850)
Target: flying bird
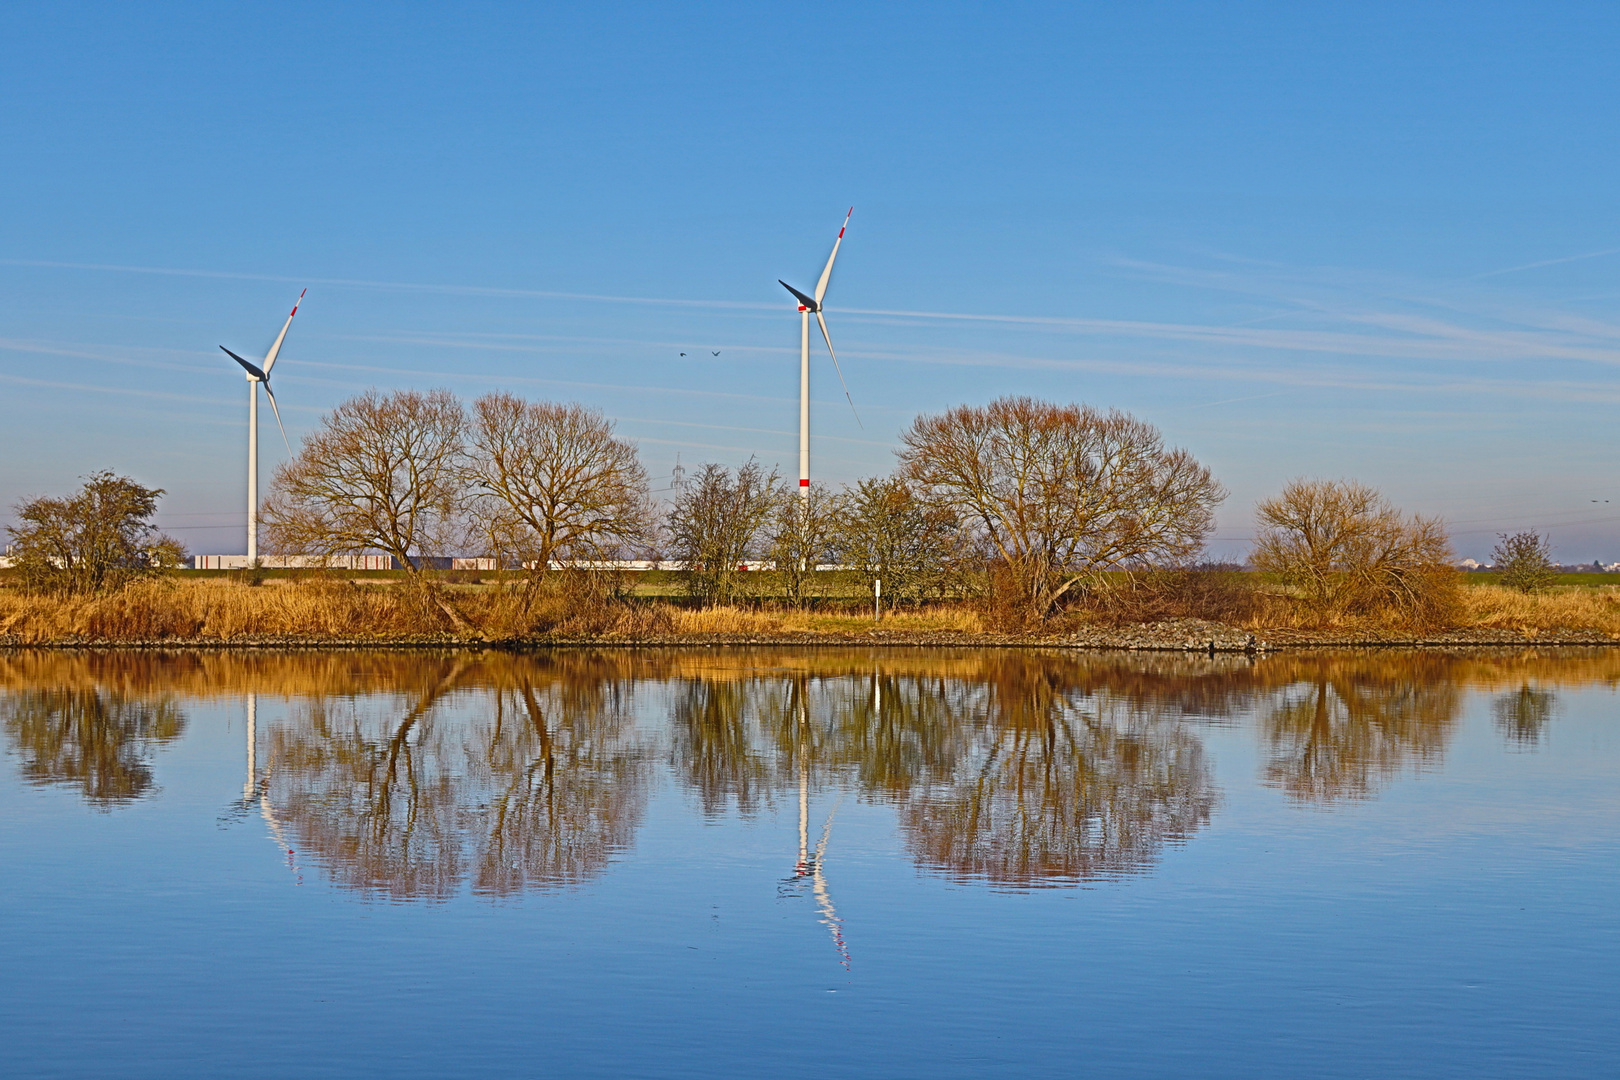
(715,352)
(683,354)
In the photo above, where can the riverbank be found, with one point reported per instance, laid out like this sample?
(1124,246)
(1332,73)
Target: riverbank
(327,613)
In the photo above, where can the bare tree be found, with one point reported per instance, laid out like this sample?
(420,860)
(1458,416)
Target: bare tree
(886,531)
(1060,493)
(716,526)
(383,473)
(801,538)
(1349,551)
(96,539)
(552,482)
(1524,561)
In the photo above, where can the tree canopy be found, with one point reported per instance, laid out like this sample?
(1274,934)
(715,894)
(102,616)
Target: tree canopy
(1059,493)
(94,540)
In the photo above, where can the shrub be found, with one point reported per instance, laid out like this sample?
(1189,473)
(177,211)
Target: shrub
(1349,552)
(1523,561)
(93,541)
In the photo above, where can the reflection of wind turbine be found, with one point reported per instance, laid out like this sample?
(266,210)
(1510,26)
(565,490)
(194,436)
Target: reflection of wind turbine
(253,785)
(811,865)
(818,883)
(257,374)
(811,305)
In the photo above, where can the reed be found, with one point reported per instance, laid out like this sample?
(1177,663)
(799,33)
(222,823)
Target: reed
(326,609)
(1556,609)
(213,610)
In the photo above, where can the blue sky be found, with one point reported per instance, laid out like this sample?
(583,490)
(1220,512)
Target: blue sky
(1374,240)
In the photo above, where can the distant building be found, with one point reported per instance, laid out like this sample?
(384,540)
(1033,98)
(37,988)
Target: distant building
(294,562)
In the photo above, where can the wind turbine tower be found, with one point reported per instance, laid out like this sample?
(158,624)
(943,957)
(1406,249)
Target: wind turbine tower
(257,375)
(811,305)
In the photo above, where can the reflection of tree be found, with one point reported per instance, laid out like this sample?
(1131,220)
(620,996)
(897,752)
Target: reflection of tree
(1057,788)
(713,748)
(569,793)
(541,793)
(894,734)
(376,802)
(1344,728)
(1521,715)
(1004,769)
(97,740)
(415,774)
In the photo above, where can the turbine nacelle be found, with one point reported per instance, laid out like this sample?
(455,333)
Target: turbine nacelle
(806,303)
(254,372)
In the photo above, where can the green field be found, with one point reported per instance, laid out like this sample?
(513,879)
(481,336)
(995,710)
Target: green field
(1584,580)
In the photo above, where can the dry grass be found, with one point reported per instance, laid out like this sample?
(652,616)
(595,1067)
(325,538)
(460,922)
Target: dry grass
(324,609)
(213,610)
(1478,607)
(1563,608)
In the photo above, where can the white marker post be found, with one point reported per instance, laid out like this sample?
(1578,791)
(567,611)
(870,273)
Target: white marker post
(877,599)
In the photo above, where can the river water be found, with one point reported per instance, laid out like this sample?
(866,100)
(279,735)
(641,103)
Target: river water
(818,863)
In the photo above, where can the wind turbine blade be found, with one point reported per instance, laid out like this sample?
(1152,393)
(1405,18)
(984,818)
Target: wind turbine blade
(270,357)
(821,286)
(808,303)
(271,395)
(252,369)
(828,339)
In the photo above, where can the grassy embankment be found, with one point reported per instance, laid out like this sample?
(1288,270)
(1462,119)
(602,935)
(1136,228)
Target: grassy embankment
(377,606)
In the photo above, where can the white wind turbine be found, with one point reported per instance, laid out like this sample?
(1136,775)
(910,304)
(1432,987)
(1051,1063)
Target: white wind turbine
(255,376)
(811,305)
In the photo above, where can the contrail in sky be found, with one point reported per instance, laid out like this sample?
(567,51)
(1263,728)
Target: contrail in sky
(1547,262)
(404,286)
(1421,339)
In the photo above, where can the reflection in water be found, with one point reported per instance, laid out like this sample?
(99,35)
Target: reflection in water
(1056,785)
(1347,727)
(98,740)
(713,748)
(1009,770)
(534,783)
(1522,715)
(415,775)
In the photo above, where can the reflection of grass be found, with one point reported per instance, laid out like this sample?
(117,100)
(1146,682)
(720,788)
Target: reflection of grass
(731,620)
(1199,685)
